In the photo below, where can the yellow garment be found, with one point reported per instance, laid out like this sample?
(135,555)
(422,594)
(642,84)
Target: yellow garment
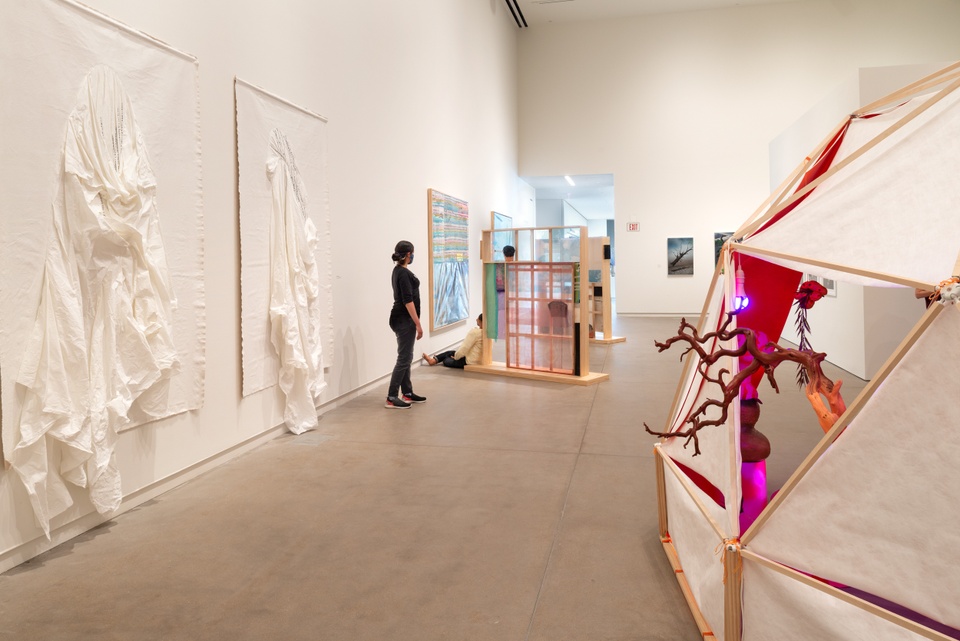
(471,347)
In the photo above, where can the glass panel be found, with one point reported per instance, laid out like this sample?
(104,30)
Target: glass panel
(566,244)
(500,240)
(541,245)
(524,245)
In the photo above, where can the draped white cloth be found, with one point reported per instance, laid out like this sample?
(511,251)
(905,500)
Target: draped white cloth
(259,115)
(102,340)
(296,311)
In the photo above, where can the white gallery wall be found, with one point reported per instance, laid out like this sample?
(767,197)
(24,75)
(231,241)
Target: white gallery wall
(681,109)
(418,95)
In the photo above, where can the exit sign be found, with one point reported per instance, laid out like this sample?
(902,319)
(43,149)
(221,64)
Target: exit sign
(633,226)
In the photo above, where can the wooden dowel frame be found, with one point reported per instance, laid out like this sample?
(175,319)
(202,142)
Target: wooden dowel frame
(732,591)
(674,559)
(663,521)
(847,269)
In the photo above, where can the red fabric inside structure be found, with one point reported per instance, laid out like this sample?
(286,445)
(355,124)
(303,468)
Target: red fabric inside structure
(818,169)
(701,482)
(770,288)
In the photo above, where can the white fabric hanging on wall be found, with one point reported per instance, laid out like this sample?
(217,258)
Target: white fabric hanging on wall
(51,46)
(296,316)
(259,113)
(102,336)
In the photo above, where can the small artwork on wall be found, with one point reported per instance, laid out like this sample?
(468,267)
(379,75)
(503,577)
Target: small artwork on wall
(719,238)
(679,256)
(828,283)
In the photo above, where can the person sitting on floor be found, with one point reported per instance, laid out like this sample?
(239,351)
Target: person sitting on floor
(470,351)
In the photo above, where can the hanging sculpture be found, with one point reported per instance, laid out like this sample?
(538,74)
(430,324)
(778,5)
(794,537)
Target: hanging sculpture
(295,301)
(102,337)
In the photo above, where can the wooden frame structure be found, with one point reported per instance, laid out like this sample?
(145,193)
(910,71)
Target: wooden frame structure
(736,549)
(600,301)
(529,240)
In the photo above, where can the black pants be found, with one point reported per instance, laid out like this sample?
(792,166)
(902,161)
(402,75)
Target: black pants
(406,333)
(447,359)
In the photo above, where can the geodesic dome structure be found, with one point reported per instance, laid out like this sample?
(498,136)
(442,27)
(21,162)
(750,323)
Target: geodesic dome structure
(862,540)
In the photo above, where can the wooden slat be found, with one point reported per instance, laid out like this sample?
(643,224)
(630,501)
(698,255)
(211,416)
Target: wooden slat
(430,289)
(852,410)
(486,254)
(847,269)
(501,369)
(661,493)
(732,594)
(876,610)
(698,618)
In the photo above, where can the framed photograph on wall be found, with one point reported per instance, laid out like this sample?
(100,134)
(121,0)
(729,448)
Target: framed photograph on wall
(449,234)
(828,283)
(719,238)
(680,256)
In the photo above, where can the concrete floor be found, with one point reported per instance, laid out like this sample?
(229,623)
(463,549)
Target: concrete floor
(500,509)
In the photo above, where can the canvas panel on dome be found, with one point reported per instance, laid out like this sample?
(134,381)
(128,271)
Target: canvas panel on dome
(259,113)
(696,541)
(776,606)
(715,511)
(892,211)
(717,443)
(878,511)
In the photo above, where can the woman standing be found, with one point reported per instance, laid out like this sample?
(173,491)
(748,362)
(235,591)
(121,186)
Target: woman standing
(405,323)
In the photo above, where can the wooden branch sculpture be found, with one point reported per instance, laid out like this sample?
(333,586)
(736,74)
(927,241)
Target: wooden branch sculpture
(767,358)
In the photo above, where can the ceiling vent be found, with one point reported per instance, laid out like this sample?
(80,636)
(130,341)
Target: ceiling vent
(517,14)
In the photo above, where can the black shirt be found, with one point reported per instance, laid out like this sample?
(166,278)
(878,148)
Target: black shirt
(406,289)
